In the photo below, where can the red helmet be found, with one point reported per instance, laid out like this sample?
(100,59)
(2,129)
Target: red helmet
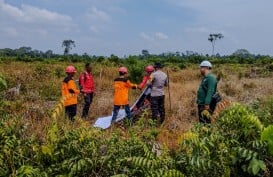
(149,68)
(123,70)
(70,69)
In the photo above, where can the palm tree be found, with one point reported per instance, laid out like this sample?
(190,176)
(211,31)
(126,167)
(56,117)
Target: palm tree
(212,38)
(68,44)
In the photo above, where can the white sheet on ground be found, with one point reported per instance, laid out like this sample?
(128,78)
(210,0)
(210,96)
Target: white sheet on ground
(105,122)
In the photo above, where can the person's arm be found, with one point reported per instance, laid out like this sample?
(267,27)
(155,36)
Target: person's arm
(150,80)
(81,82)
(72,88)
(211,90)
(131,85)
(144,82)
(166,82)
(93,84)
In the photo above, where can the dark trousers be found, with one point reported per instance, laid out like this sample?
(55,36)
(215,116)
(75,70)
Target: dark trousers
(87,102)
(71,111)
(203,119)
(142,100)
(116,110)
(158,108)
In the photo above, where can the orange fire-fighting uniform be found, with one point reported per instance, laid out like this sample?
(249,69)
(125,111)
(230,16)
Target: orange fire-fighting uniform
(69,91)
(121,95)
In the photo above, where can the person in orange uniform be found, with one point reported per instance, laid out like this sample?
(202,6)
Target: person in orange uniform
(121,86)
(70,93)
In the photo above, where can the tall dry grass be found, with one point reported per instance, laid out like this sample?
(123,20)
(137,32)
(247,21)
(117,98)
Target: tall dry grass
(41,84)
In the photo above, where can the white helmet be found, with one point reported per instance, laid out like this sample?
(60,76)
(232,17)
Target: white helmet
(206,64)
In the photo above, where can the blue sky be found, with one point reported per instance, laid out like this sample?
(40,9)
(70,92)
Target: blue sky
(123,27)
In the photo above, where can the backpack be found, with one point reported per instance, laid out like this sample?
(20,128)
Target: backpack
(216,98)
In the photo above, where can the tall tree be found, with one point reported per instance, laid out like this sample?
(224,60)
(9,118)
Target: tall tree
(212,38)
(242,53)
(22,51)
(48,53)
(68,44)
(145,53)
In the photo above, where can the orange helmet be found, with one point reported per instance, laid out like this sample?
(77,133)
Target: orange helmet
(123,70)
(70,69)
(149,68)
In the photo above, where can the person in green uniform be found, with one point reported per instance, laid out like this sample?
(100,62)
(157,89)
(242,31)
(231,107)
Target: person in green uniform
(205,92)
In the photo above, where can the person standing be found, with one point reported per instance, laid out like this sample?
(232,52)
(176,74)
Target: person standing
(205,92)
(70,93)
(149,70)
(158,80)
(87,88)
(121,93)
(147,95)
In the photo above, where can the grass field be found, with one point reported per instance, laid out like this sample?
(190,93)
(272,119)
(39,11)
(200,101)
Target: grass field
(41,84)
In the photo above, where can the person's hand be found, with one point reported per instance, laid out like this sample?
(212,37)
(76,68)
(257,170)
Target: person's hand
(205,113)
(206,107)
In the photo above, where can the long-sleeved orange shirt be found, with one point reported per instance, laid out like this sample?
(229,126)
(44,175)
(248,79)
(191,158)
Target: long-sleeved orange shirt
(121,95)
(70,91)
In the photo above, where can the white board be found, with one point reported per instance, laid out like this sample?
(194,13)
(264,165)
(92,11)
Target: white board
(105,122)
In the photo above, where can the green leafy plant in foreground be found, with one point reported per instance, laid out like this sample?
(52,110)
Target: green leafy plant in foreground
(236,145)
(230,147)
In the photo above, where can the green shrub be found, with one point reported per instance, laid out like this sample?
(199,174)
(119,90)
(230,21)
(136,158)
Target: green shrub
(230,147)
(59,72)
(3,83)
(236,145)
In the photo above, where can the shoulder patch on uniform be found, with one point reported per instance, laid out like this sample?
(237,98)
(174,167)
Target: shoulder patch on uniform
(67,79)
(121,79)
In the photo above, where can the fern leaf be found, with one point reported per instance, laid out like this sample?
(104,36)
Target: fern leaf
(143,162)
(3,83)
(267,135)
(120,175)
(188,136)
(166,173)
(148,154)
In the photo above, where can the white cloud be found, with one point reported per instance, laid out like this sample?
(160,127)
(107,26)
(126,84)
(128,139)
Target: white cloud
(33,15)
(244,23)
(154,37)
(146,36)
(94,29)
(10,10)
(27,25)
(98,15)
(160,35)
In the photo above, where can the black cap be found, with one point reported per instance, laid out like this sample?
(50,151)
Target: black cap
(158,65)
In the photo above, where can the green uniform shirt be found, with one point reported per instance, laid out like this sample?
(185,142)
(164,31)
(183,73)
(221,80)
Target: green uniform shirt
(206,90)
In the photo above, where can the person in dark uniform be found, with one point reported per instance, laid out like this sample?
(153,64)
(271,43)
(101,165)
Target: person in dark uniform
(205,92)
(158,80)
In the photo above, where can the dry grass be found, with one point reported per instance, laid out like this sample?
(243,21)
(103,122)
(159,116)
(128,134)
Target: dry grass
(41,90)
